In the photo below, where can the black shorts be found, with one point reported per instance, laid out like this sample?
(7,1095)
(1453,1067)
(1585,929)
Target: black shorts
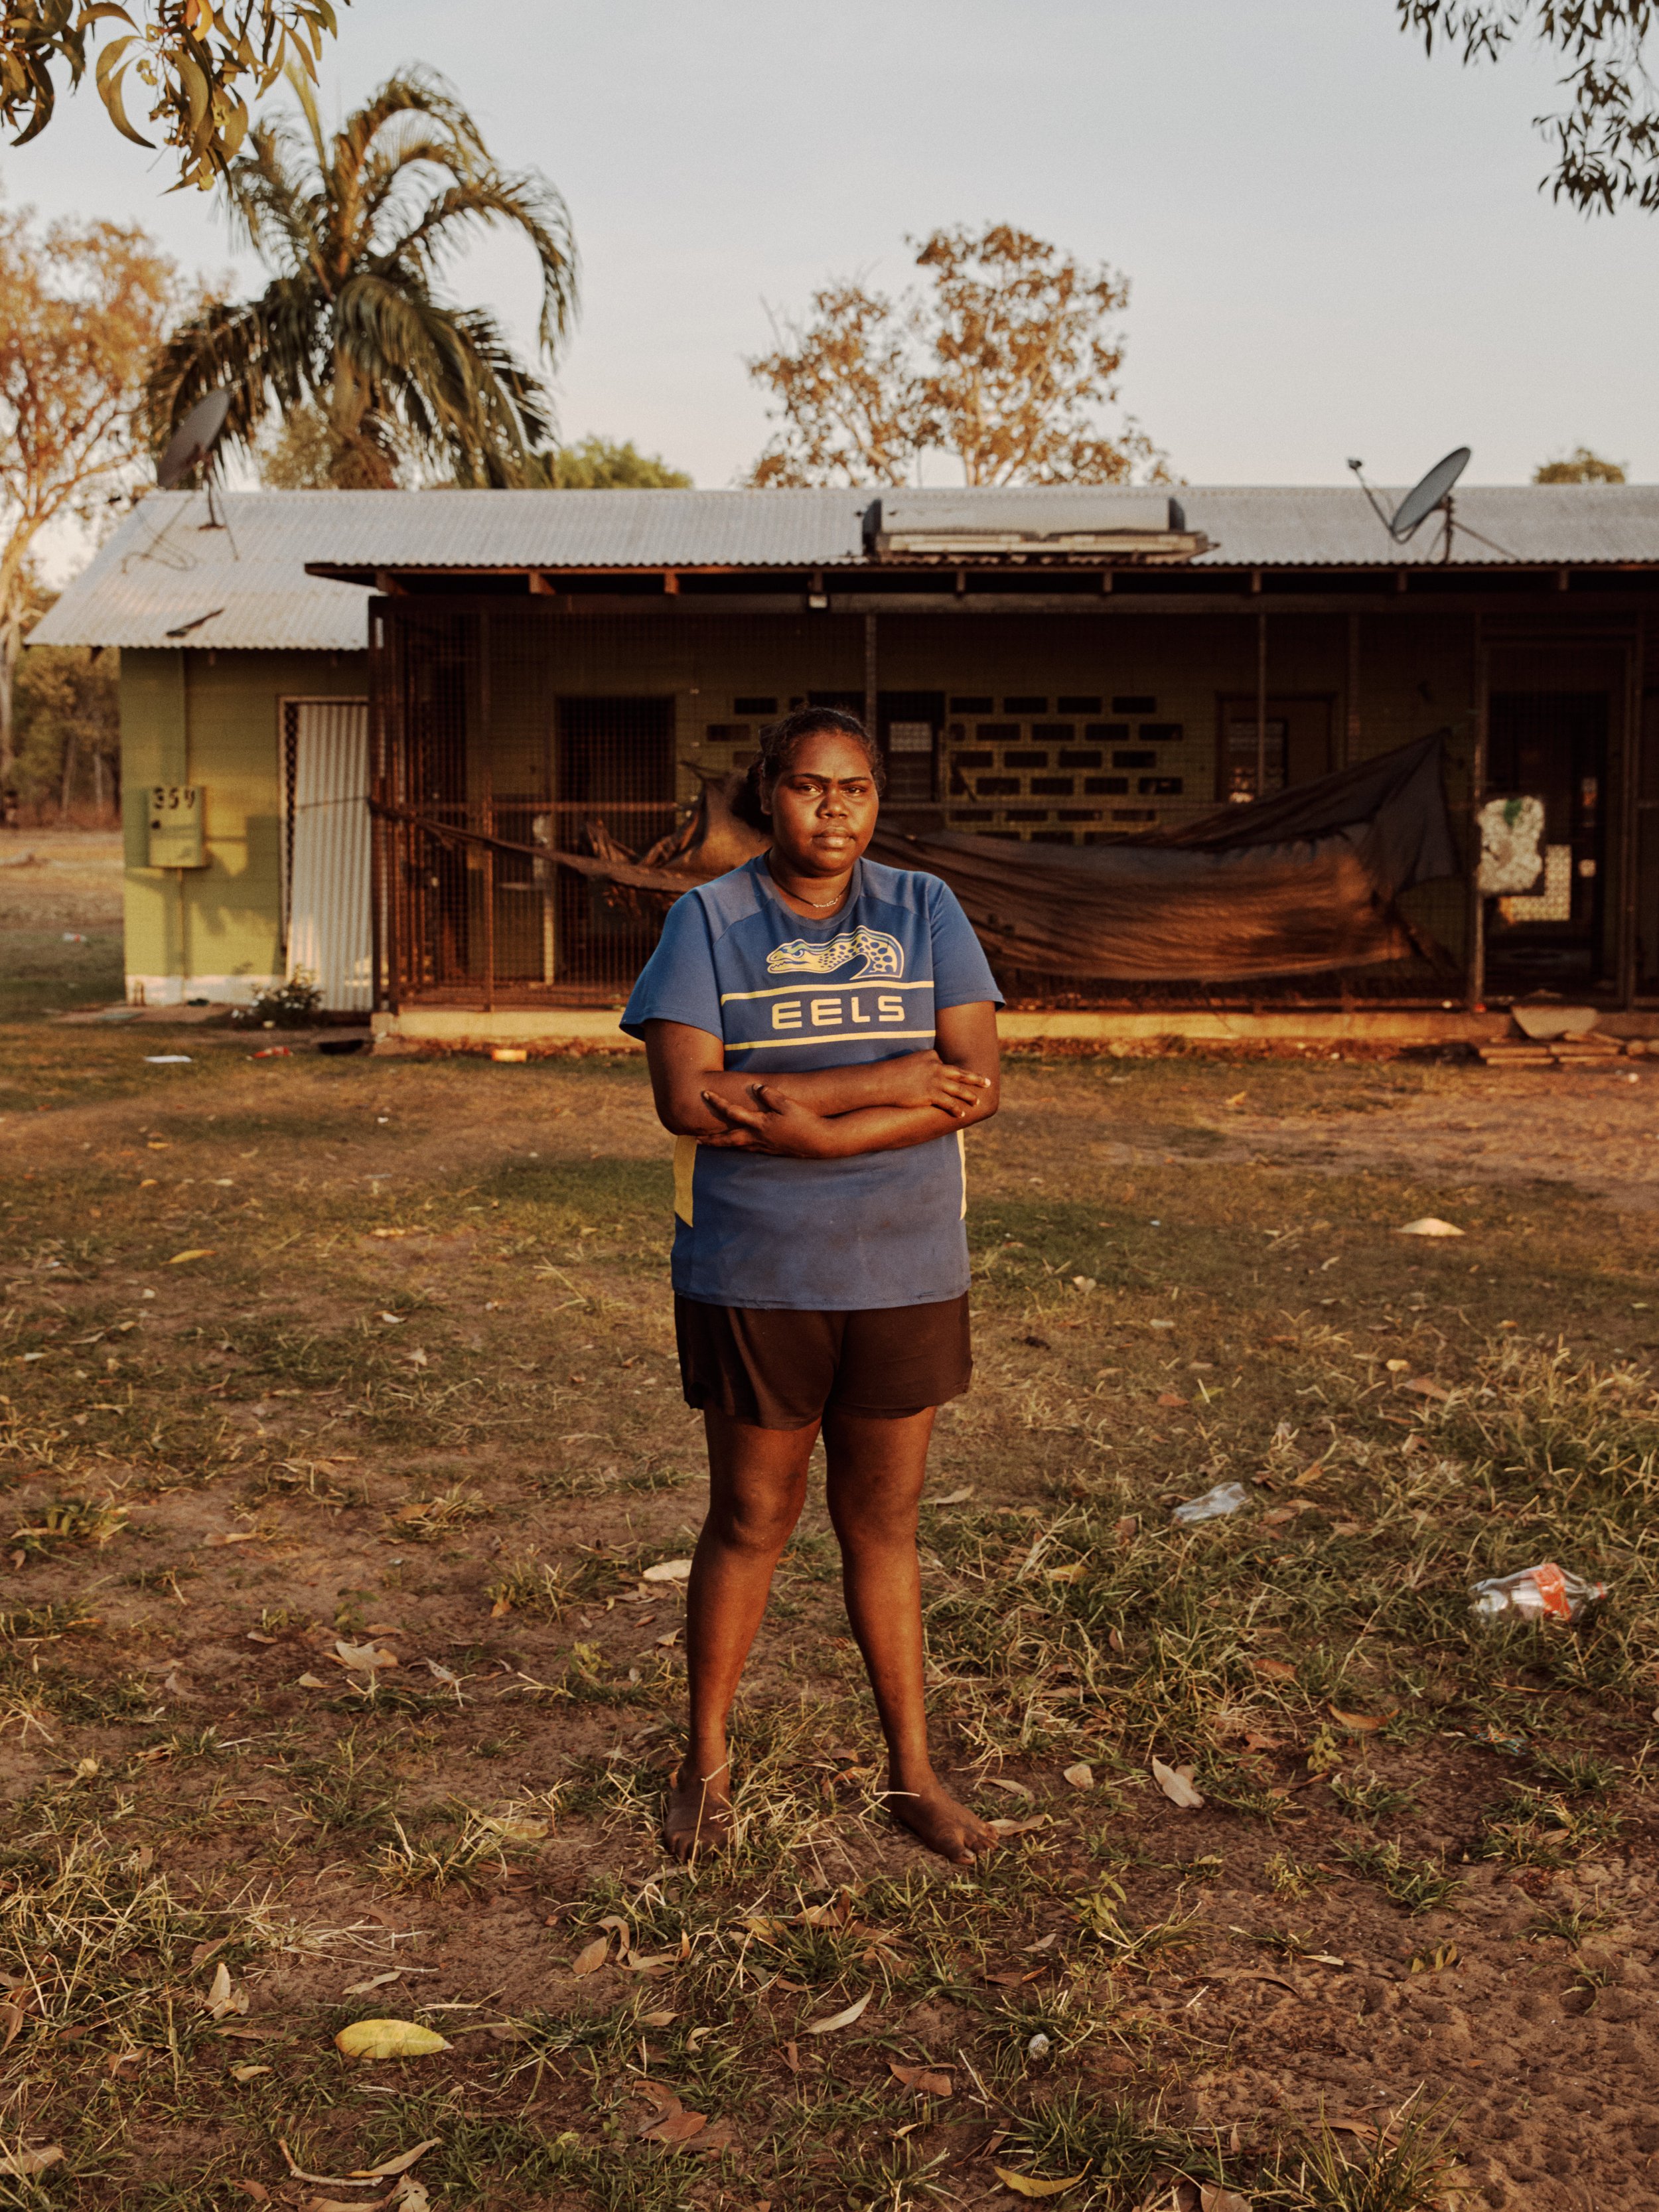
(783,1368)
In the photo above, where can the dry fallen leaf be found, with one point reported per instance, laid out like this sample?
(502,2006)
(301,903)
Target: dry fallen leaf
(1081,1777)
(926,2081)
(1017,1827)
(1363,1720)
(517,1827)
(224,1998)
(384,2038)
(1023,2185)
(249,2073)
(24,2165)
(675,2128)
(1006,1782)
(854,2011)
(256,2190)
(1425,1388)
(312,1682)
(1176,1784)
(401,2164)
(952,1497)
(204,1252)
(240,1536)
(592,1956)
(1213,2199)
(11,2022)
(1428,1225)
(362,1658)
(1276,1670)
(668,1571)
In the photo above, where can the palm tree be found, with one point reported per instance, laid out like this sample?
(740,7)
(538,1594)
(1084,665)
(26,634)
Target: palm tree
(354,329)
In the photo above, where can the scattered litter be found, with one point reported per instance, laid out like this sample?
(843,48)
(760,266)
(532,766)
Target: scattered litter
(167,1059)
(854,2011)
(1039,2047)
(509,1055)
(1535,1591)
(669,1571)
(272,1052)
(384,2039)
(1176,1784)
(1084,1283)
(1429,1225)
(1225,1497)
(73,937)
(1080,1777)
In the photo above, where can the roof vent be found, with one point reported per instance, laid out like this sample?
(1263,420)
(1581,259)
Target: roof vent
(1060,523)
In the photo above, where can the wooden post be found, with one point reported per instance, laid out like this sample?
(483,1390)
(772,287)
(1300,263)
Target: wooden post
(1261,706)
(871,712)
(1476,907)
(487,808)
(1630,799)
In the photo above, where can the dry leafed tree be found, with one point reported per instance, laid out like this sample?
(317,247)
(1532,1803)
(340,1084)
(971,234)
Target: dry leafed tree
(1005,354)
(82,306)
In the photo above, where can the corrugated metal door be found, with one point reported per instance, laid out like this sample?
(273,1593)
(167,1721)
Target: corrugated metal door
(328,848)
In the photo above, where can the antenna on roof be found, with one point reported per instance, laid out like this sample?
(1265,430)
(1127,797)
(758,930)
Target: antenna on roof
(1430,495)
(191,447)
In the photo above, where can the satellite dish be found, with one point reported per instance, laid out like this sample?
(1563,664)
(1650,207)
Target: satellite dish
(1428,493)
(193,441)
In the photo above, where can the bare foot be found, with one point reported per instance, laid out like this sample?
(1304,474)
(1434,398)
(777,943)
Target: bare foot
(699,1816)
(932,1814)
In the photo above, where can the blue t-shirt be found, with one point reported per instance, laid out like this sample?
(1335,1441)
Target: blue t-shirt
(784,995)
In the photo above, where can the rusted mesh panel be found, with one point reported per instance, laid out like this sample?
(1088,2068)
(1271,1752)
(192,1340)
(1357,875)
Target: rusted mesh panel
(534,727)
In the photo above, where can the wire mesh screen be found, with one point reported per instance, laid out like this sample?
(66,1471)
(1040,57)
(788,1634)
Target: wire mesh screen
(519,739)
(510,732)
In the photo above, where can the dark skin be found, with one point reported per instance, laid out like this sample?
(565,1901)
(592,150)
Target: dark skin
(822,810)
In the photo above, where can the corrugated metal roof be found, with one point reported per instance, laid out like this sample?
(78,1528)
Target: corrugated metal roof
(160,573)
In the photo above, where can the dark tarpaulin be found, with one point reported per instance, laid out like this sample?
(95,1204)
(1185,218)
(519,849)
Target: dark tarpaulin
(1287,886)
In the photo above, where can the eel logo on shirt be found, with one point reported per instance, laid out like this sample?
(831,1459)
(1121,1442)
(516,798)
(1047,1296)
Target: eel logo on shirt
(883,955)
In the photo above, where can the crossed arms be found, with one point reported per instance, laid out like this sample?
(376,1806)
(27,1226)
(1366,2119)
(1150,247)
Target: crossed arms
(832,1113)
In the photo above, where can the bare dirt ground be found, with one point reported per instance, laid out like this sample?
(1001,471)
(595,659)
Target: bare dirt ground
(60,919)
(311,1367)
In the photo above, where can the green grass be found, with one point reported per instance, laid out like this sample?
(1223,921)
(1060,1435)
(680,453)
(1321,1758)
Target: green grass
(201,1793)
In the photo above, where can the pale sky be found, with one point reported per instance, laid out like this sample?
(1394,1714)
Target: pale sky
(1336,245)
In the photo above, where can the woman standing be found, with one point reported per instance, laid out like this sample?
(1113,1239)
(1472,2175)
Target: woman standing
(820,1031)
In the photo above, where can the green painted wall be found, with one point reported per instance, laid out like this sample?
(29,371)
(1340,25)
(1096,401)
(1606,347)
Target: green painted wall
(214,719)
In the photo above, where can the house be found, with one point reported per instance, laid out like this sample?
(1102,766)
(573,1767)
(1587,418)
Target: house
(521,673)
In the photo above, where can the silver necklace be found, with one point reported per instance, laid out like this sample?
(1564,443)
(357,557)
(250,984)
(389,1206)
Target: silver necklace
(801,900)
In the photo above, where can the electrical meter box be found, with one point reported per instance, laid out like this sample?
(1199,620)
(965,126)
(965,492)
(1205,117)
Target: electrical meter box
(175,826)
